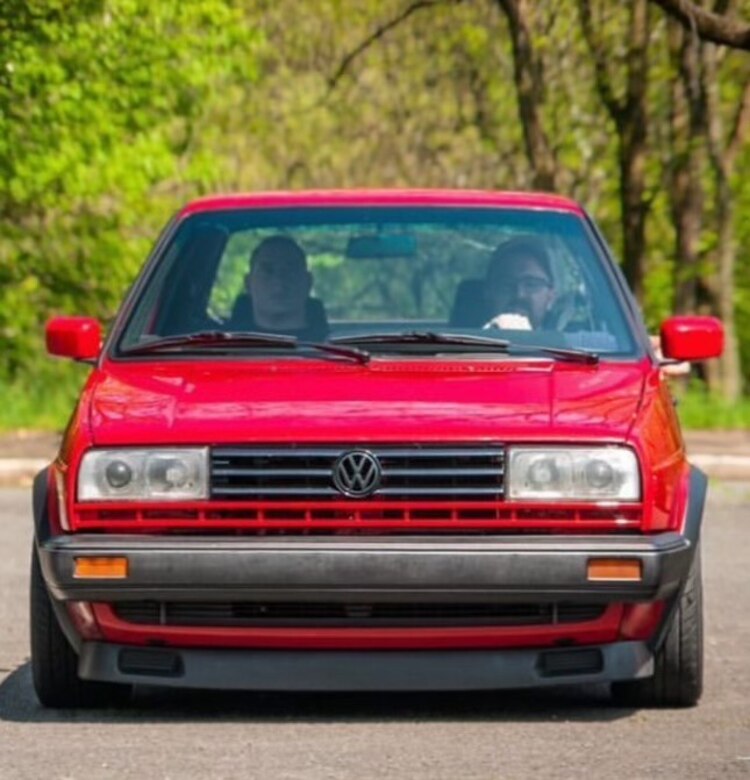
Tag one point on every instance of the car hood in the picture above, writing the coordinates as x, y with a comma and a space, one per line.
178, 402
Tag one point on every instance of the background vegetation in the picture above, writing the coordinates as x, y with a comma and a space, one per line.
115, 112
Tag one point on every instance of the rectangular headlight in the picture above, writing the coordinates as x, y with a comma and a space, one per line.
573, 473
154, 474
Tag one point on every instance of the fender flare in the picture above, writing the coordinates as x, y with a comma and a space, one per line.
697, 491
40, 506
42, 532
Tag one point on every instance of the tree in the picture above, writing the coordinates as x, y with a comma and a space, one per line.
529, 80
686, 162
629, 113
724, 146
709, 26
114, 112
98, 108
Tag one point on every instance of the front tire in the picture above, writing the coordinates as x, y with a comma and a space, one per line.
678, 664
54, 663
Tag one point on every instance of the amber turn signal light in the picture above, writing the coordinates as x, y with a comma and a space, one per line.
101, 568
615, 569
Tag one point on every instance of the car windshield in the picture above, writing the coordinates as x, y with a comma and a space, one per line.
367, 276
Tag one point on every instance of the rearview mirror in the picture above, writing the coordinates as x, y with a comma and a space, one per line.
692, 338
79, 338
381, 246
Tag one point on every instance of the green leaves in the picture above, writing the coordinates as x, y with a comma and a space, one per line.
113, 113
99, 102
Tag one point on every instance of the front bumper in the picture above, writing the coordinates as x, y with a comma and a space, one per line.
284, 670
419, 569
513, 568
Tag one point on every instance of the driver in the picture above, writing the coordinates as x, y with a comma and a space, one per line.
278, 288
519, 286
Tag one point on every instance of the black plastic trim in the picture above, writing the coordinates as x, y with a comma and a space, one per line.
512, 568
696, 504
39, 494
42, 532
365, 670
697, 492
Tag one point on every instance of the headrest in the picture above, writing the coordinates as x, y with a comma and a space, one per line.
470, 309
243, 318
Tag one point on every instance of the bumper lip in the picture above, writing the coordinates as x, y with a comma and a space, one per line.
511, 568
309, 671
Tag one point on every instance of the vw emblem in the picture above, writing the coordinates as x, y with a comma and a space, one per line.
357, 474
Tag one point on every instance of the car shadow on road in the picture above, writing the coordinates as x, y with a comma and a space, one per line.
19, 704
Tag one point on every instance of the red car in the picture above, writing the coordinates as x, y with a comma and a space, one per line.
372, 440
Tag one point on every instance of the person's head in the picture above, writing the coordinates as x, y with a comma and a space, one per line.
278, 283
519, 280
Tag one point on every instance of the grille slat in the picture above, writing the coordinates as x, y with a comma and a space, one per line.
263, 490
429, 472
302, 614
220, 471
386, 452
299, 473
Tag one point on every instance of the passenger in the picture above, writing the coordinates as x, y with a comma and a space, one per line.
278, 293
519, 286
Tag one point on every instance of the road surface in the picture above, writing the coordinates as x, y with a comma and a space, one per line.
559, 734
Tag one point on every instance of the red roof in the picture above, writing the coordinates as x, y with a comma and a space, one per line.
394, 197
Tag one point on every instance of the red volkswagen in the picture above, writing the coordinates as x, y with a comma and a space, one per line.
372, 440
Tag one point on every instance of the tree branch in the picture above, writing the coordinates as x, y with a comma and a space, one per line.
740, 127
637, 78
527, 69
709, 26
599, 55
380, 32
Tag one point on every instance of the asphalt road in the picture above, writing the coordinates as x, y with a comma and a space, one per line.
559, 734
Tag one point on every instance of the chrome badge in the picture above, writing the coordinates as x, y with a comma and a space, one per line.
357, 474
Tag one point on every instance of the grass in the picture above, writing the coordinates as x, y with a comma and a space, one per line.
45, 402
699, 410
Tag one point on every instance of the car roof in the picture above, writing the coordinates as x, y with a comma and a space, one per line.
383, 197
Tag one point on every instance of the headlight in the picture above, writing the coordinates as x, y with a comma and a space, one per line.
144, 474
574, 473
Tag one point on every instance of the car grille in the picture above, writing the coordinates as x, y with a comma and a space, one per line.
333, 614
408, 473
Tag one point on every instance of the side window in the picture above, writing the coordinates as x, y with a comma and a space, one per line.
148, 314
229, 283
573, 305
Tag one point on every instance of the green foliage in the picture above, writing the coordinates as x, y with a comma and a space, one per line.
98, 106
46, 401
115, 112
742, 276
700, 410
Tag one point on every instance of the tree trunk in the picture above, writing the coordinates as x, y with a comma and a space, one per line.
709, 26
634, 209
530, 91
731, 373
688, 136
629, 115
723, 149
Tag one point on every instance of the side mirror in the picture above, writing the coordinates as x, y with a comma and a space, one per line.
79, 338
692, 338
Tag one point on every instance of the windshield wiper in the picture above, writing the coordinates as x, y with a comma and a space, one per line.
210, 338
457, 339
577, 355
424, 337
219, 339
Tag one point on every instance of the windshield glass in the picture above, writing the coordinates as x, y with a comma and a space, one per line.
323, 274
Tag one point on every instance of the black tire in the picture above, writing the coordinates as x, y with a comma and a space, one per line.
54, 663
678, 672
